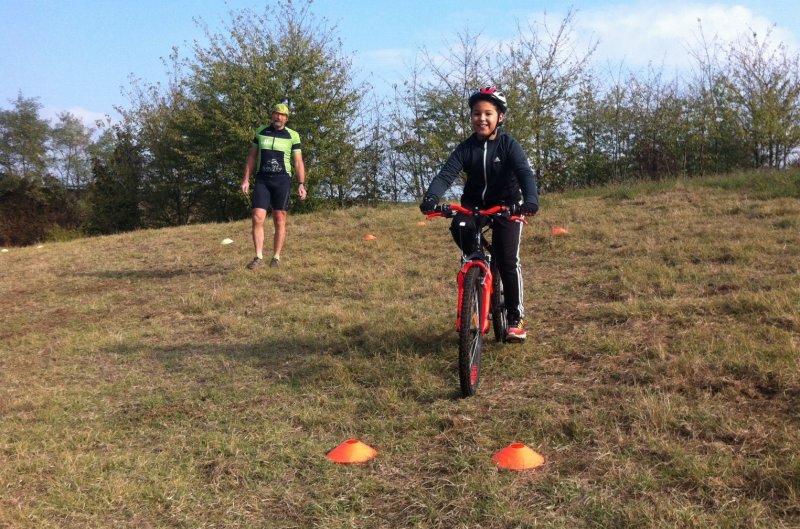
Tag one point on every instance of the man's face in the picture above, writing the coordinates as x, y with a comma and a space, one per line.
279, 120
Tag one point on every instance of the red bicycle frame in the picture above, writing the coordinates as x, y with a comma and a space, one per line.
486, 293
488, 284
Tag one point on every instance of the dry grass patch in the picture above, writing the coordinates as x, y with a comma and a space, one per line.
149, 380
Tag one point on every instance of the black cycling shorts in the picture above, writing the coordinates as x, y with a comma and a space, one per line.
272, 192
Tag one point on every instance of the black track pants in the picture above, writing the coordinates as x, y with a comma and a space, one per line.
506, 236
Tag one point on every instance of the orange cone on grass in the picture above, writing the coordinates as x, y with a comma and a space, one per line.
369, 237
517, 456
352, 451
558, 230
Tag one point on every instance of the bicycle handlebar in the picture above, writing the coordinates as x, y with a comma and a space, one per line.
448, 211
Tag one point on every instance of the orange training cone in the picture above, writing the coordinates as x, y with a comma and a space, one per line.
517, 456
558, 230
352, 451
421, 223
369, 237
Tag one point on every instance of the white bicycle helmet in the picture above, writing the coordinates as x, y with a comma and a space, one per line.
492, 94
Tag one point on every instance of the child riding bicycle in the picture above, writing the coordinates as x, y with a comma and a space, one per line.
498, 173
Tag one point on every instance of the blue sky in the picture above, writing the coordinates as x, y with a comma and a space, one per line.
78, 55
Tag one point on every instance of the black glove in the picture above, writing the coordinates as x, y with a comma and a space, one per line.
529, 208
429, 202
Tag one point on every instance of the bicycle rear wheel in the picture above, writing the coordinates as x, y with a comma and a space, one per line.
469, 337
499, 313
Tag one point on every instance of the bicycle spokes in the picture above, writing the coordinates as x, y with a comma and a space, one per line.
470, 334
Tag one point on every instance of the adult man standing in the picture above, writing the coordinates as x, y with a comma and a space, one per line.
275, 149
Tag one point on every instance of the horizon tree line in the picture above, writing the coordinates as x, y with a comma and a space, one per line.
176, 156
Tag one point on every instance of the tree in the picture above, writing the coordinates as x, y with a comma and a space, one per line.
657, 119
23, 139
237, 78
764, 85
429, 115
21, 205
454, 75
32, 201
408, 164
542, 76
113, 198
169, 183
371, 182
196, 131
70, 142
592, 146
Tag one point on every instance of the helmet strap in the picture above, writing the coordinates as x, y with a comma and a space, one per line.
499, 124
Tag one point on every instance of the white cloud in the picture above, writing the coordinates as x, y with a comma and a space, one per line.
663, 34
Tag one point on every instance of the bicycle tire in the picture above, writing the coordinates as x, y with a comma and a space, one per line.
470, 336
499, 313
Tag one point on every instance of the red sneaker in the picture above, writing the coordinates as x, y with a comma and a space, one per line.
516, 332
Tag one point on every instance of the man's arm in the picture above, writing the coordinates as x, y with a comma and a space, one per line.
300, 170
249, 167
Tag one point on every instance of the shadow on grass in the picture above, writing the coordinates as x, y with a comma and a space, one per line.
365, 357
151, 273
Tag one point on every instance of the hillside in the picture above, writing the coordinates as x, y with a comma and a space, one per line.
149, 380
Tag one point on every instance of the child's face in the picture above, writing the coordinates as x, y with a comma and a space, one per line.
484, 118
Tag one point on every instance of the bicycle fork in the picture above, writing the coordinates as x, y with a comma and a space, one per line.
486, 292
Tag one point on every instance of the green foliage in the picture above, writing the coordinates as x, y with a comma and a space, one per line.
763, 87
57, 233
197, 131
44, 172
23, 140
21, 202
542, 76
71, 144
580, 126
113, 199
29, 209
429, 115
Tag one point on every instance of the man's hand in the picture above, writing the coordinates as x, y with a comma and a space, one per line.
301, 190
429, 202
245, 186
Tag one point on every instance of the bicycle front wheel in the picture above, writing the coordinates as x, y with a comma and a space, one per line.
469, 337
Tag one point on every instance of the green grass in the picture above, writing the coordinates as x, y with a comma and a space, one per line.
149, 380
763, 185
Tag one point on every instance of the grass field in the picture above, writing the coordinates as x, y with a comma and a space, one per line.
147, 380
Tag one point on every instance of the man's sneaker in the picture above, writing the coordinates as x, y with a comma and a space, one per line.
255, 263
516, 332
275, 261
